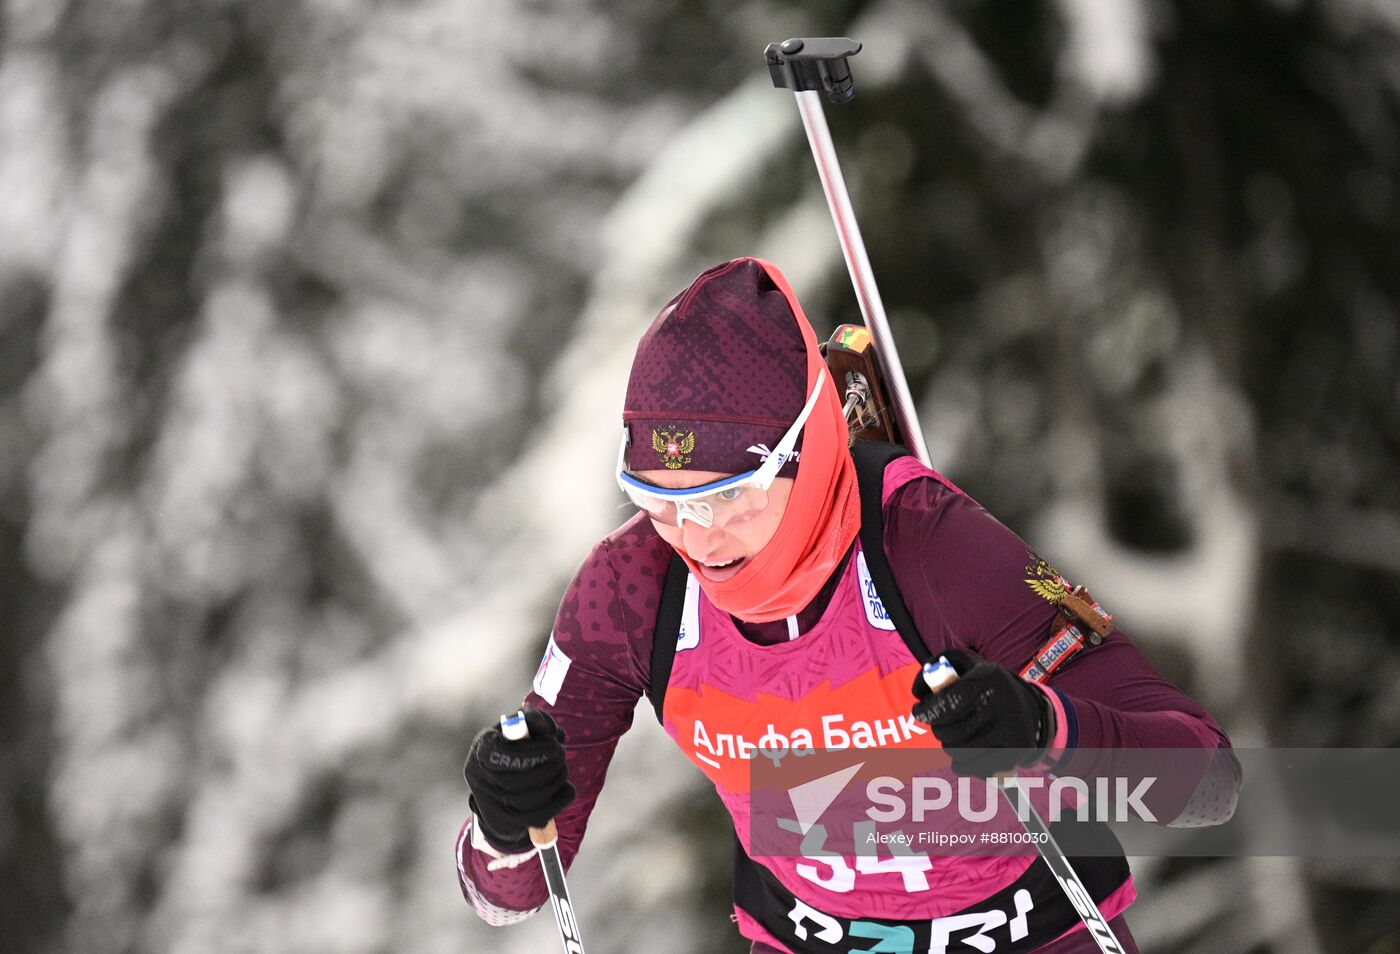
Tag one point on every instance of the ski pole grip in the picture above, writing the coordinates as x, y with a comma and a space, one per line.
814, 63
514, 728
939, 674
544, 837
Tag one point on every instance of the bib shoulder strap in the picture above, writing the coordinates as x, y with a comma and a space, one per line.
668, 630
871, 459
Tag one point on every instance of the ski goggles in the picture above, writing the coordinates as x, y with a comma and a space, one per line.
720, 503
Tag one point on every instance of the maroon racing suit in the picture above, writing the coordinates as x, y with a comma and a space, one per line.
968, 583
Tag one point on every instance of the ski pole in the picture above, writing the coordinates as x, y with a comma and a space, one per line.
819, 63
806, 65
939, 675
546, 842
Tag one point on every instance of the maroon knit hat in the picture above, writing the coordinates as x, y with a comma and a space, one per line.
719, 376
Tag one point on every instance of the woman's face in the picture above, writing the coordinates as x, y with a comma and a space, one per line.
720, 552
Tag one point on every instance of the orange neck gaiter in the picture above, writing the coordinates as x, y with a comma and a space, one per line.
822, 516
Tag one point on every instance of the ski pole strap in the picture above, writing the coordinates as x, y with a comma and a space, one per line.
1080, 622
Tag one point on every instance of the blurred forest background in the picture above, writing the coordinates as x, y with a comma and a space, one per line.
314, 322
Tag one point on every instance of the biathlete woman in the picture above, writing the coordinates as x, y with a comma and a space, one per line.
735, 451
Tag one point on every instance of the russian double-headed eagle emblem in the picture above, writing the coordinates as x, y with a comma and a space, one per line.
673, 446
1046, 581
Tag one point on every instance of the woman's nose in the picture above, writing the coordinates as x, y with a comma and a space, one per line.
698, 541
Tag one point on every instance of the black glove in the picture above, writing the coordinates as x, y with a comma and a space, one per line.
989, 721
517, 785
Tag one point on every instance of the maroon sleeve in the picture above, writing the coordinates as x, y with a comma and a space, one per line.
604, 631
972, 584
